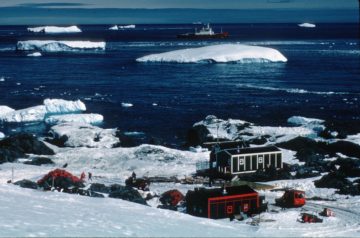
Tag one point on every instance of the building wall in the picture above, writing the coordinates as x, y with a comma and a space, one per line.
252, 162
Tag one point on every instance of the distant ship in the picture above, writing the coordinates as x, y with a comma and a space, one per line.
206, 32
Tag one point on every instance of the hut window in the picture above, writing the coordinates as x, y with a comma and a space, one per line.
241, 161
261, 159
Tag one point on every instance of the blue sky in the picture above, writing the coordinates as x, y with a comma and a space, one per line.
113, 11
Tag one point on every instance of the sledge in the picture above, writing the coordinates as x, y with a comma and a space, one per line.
309, 218
327, 212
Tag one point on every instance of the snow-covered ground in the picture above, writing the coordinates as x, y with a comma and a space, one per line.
218, 53
55, 29
59, 46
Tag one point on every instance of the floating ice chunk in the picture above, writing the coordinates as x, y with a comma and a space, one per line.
4, 110
154, 104
218, 53
307, 25
91, 118
85, 135
127, 27
298, 120
126, 104
114, 28
58, 46
35, 54
57, 106
31, 114
54, 29
2, 79
134, 133
2, 135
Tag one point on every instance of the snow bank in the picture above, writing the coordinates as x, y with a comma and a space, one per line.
38, 113
307, 25
58, 46
91, 118
54, 29
63, 106
35, 54
218, 53
85, 135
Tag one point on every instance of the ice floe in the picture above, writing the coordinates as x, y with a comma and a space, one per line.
114, 28
119, 27
218, 53
126, 104
2, 79
54, 29
58, 46
35, 54
298, 120
78, 134
38, 113
91, 118
2, 135
307, 25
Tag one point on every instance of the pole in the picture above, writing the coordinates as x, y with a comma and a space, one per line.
12, 174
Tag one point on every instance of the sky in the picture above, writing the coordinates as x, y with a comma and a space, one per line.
28, 12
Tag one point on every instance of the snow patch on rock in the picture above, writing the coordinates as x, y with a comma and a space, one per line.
85, 135
222, 53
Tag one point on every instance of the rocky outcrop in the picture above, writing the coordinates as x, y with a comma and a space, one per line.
126, 193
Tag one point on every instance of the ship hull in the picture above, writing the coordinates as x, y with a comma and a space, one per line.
195, 37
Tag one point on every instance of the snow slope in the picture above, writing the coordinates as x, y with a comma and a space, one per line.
222, 53
58, 46
54, 29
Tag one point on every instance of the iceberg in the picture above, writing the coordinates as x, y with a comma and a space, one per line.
307, 25
2, 135
31, 114
222, 53
127, 27
54, 29
4, 110
79, 134
58, 46
58, 106
126, 104
35, 54
91, 118
114, 28
301, 121
38, 113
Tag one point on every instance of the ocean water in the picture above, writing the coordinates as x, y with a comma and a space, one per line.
321, 78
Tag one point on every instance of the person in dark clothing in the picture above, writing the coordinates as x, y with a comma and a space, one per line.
65, 165
89, 176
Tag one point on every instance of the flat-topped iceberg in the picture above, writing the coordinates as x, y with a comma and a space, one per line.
117, 27
58, 46
54, 29
38, 113
218, 53
35, 54
308, 25
91, 118
57, 106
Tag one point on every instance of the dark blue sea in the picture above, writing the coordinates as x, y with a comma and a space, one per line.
320, 80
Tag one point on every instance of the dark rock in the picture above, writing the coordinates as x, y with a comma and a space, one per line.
306, 172
83, 192
27, 144
258, 141
99, 187
58, 141
126, 193
268, 174
27, 184
197, 135
333, 180
9, 155
345, 147
348, 167
39, 161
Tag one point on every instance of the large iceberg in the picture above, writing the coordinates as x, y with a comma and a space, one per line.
57, 106
55, 29
218, 53
58, 46
38, 113
91, 118
307, 25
